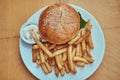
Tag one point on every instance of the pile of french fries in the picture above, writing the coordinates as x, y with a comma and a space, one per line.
63, 58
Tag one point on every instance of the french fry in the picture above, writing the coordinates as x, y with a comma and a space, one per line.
83, 44
61, 59
58, 62
56, 70
48, 67
88, 51
42, 58
70, 63
89, 59
66, 68
78, 50
69, 54
34, 55
73, 52
89, 38
46, 56
60, 56
80, 64
61, 46
35, 46
82, 37
81, 52
80, 59
62, 72
51, 46
38, 62
40, 44
38, 55
90, 42
64, 57
53, 61
74, 71
88, 22
59, 52
88, 25
74, 40
44, 68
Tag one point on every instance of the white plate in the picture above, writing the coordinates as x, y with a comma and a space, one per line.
82, 73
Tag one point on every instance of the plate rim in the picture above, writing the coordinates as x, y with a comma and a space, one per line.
103, 38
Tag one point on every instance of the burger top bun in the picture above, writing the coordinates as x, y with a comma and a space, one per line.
59, 23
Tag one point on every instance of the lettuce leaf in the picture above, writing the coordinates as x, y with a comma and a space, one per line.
82, 21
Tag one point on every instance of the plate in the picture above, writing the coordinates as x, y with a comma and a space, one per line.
82, 73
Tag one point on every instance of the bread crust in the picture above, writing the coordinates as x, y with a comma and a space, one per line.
59, 23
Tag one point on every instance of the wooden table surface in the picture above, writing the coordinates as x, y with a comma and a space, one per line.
13, 13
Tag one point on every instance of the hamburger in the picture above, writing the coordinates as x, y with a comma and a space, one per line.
59, 23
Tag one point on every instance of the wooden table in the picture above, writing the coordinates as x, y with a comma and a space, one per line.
13, 13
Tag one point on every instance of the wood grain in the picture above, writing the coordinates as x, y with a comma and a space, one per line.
13, 13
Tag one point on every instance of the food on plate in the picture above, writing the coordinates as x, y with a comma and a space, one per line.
83, 43
56, 70
66, 68
66, 50
40, 44
60, 21
60, 51
44, 68
35, 47
59, 65
80, 64
70, 61
80, 59
89, 41
64, 56
83, 36
74, 39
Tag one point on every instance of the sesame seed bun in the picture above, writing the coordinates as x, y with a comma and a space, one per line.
59, 23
